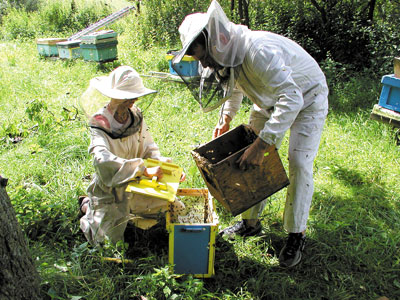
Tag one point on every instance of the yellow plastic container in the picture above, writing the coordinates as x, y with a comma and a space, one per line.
185, 57
165, 189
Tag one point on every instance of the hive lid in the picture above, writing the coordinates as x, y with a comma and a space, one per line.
69, 43
98, 35
50, 41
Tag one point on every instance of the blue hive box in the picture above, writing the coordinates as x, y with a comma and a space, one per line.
188, 66
390, 94
48, 46
191, 240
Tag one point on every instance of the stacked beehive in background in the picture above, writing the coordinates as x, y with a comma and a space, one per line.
100, 46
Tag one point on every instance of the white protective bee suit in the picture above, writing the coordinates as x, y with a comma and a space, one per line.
288, 91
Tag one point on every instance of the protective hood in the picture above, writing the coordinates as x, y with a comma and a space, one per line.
226, 40
225, 44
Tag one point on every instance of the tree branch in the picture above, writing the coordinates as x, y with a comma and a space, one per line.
321, 10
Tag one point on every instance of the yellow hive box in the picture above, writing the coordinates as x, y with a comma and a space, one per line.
192, 234
165, 189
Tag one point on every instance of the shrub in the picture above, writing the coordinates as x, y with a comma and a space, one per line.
19, 24
159, 20
69, 16
27, 5
341, 30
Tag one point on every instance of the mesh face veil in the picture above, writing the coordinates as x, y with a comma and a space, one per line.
212, 86
224, 44
109, 102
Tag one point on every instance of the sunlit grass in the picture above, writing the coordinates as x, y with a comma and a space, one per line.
353, 234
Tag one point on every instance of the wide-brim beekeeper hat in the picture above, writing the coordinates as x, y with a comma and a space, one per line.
189, 30
122, 83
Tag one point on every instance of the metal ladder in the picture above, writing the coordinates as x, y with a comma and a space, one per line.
107, 20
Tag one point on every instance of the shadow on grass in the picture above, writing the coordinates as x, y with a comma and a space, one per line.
350, 252
142, 243
356, 236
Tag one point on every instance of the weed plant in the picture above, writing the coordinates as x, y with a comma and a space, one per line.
353, 231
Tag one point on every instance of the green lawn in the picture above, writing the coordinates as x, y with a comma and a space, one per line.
354, 227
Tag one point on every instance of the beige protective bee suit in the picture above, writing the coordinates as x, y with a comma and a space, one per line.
117, 161
288, 91
118, 151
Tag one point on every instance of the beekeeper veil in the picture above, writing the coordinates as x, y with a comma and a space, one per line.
105, 94
225, 43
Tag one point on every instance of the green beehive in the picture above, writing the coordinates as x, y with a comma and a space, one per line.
99, 37
99, 52
99, 46
69, 49
48, 46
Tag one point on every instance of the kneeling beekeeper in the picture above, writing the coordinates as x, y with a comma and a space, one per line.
288, 91
120, 140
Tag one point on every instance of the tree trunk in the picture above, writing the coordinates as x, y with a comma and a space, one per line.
246, 12
18, 276
371, 8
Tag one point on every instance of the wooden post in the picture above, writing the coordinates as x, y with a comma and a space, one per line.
18, 276
397, 67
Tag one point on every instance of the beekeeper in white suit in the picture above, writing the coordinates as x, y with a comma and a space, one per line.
120, 141
288, 91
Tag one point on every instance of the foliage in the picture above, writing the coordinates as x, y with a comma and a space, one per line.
338, 29
27, 5
68, 16
353, 234
53, 18
159, 26
342, 31
19, 24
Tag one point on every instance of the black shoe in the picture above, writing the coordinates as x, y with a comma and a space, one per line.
82, 200
291, 254
241, 228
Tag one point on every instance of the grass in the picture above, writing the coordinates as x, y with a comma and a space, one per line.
354, 226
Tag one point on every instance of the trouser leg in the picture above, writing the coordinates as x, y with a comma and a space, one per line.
257, 121
105, 221
305, 135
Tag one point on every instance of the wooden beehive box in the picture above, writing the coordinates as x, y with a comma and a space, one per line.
69, 49
100, 46
192, 234
101, 52
238, 190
